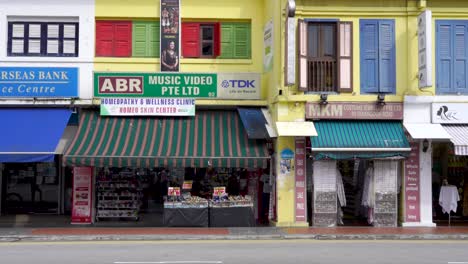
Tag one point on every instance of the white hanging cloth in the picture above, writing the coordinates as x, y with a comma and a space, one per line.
448, 198
368, 192
340, 189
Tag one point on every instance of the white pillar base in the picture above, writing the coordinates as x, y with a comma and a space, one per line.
418, 224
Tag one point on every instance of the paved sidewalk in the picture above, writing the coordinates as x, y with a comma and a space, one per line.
341, 233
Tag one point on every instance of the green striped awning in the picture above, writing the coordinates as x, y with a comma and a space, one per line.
359, 138
215, 138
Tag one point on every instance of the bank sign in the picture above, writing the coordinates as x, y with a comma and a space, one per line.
177, 85
38, 82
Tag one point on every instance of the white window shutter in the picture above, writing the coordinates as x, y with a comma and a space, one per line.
34, 30
345, 62
69, 47
52, 31
69, 31
52, 46
302, 37
34, 46
18, 31
17, 46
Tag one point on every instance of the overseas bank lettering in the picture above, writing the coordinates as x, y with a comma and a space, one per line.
180, 85
38, 82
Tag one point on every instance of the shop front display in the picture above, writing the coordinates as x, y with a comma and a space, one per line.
186, 211
232, 211
137, 160
356, 163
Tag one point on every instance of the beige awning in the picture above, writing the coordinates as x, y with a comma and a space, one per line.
296, 129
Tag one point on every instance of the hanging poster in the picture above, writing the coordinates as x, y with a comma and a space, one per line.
82, 195
285, 164
170, 35
268, 46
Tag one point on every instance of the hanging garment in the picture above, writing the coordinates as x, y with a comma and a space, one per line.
340, 189
368, 192
448, 198
465, 199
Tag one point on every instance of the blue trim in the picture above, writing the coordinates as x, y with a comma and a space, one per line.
31, 135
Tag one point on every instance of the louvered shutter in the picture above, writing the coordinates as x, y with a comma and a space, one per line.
369, 56
140, 39
190, 40
17, 45
227, 41
34, 43
444, 57
123, 39
387, 76
242, 41
302, 43
153, 39
460, 57
217, 39
104, 38
345, 62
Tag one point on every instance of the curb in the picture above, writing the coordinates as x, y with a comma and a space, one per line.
71, 238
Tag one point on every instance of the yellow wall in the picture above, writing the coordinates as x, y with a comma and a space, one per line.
191, 10
403, 12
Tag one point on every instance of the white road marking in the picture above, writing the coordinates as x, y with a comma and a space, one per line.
172, 262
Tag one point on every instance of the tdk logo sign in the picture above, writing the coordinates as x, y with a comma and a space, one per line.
238, 84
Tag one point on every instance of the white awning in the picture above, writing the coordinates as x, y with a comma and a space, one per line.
66, 139
459, 139
426, 131
296, 129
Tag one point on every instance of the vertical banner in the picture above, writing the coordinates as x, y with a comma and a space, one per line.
412, 183
300, 169
170, 35
82, 195
268, 47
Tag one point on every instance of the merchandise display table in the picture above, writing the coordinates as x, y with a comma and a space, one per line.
232, 216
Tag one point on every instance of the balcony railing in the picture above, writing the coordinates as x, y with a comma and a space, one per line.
322, 73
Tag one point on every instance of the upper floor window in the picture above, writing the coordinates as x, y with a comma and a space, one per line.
325, 56
451, 57
49, 39
378, 69
200, 40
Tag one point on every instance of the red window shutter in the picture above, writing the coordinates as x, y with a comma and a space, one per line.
104, 38
217, 39
123, 39
191, 40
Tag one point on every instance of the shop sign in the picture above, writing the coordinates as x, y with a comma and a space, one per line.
170, 35
450, 113
148, 107
268, 47
285, 163
412, 180
38, 82
82, 195
239, 86
155, 84
347, 110
173, 191
300, 159
191, 85
219, 191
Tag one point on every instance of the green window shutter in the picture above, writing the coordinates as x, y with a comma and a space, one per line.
153, 35
227, 41
146, 39
242, 41
139, 39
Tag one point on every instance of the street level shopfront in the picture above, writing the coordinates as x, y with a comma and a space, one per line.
172, 171
440, 127
355, 163
32, 139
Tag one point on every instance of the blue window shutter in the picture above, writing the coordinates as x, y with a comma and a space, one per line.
444, 57
369, 56
460, 57
387, 76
